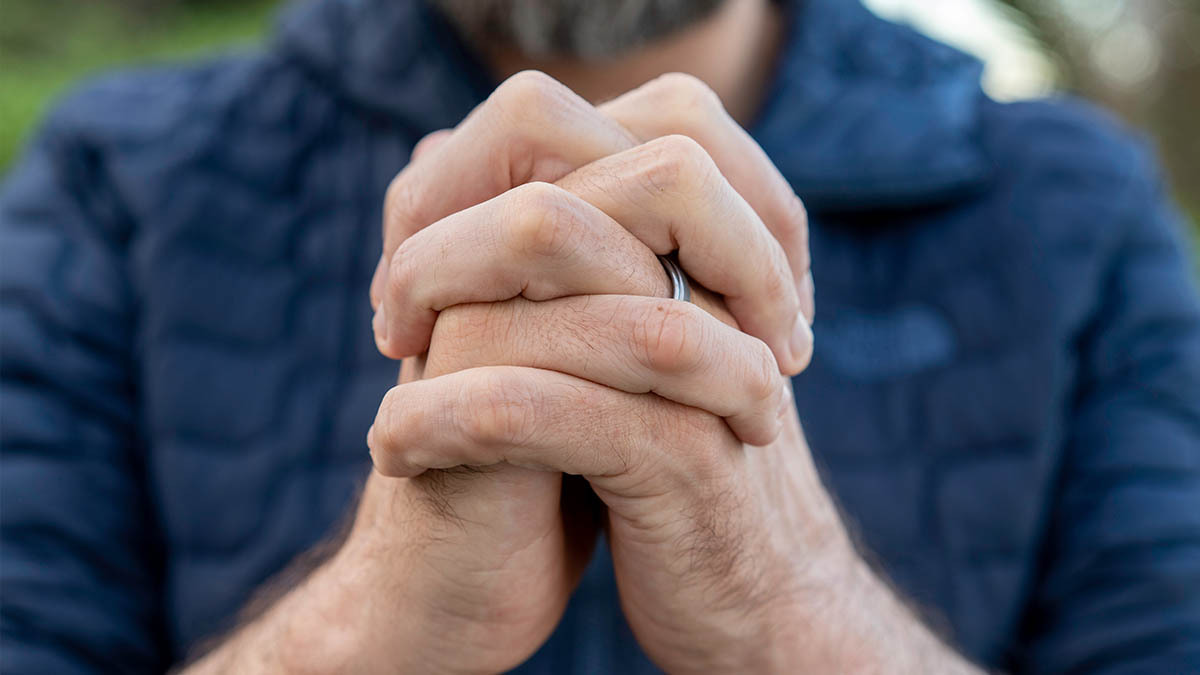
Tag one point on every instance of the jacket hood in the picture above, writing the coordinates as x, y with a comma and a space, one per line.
861, 114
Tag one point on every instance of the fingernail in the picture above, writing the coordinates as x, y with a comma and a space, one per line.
379, 324
377, 284
811, 288
801, 343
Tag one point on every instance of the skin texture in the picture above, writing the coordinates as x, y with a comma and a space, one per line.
533, 129
541, 373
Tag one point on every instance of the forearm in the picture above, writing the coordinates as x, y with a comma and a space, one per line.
312, 627
865, 627
374, 603
335, 609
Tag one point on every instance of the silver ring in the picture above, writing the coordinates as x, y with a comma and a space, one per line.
680, 288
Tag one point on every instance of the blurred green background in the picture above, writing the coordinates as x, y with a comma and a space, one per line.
1140, 58
46, 45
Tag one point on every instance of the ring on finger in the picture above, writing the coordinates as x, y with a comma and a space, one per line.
681, 288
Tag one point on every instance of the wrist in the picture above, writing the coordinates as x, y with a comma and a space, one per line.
324, 625
362, 612
370, 598
304, 631
404, 597
810, 627
851, 621
350, 614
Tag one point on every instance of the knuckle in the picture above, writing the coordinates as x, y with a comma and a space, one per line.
390, 421
777, 288
682, 147
459, 335
687, 93
451, 326
401, 271
529, 91
522, 108
689, 101
544, 222
763, 382
401, 205
497, 412
670, 338
678, 163
427, 141
463, 322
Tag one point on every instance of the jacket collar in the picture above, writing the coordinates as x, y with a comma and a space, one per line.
862, 114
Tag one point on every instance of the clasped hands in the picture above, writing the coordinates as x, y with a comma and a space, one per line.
550, 390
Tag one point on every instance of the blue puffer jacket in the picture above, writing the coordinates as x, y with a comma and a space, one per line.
1005, 396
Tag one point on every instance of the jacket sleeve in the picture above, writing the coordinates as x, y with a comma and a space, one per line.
1119, 587
79, 562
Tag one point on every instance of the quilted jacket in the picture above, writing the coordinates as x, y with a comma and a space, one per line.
1005, 396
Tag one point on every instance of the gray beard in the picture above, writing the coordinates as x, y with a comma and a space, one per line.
584, 29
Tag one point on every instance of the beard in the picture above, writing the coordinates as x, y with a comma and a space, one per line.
589, 30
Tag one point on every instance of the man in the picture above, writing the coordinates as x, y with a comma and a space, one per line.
1004, 399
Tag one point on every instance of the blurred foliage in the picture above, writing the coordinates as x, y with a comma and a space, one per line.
1139, 58
46, 45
